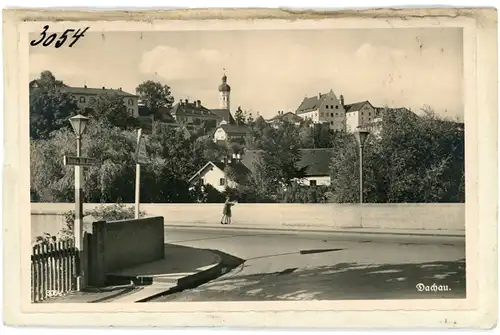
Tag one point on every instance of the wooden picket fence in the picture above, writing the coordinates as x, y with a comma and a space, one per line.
53, 270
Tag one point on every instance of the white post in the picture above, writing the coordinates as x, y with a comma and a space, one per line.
78, 225
137, 175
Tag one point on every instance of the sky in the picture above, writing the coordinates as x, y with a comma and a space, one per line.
272, 70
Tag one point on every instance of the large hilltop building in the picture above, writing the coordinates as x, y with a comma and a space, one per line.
324, 108
330, 110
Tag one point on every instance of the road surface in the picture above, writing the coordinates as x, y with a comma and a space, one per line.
326, 266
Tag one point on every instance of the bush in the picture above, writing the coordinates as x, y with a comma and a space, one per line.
103, 212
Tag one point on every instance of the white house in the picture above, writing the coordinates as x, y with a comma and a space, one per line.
359, 113
314, 162
212, 174
324, 108
230, 132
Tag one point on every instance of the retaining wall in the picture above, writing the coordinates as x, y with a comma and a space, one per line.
118, 245
312, 216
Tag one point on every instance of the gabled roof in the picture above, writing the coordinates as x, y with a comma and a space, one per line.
96, 91
232, 129
224, 114
310, 104
288, 115
240, 169
208, 166
313, 103
316, 162
192, 109
356, 106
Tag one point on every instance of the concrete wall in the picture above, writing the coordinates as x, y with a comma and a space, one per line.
320, 216
118, 245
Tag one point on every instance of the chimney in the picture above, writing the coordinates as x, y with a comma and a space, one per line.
186, 101
120, 89
103, 88
342, 100
198, 103
319, 95
84, 86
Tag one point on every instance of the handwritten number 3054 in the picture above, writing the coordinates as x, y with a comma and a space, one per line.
47, 40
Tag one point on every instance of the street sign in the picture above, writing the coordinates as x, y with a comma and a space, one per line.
81, 161
142, 155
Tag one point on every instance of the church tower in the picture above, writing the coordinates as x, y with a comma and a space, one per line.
224, 94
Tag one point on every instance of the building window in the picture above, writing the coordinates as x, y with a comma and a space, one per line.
327, 106
92, 100
369, 114
321, 114
331, 122
130, 102
337, 114
82, 99
331, 114
130, 110
312, 182
337, 107
221, 182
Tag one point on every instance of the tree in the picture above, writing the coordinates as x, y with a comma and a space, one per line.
50, 107
239, 116
111, 106
155, 95
110, 181
415, 159
280, 156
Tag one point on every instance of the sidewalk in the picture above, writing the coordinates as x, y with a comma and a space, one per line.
322, 228
181, 268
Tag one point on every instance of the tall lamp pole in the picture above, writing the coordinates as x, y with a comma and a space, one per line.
78, 122
361, 136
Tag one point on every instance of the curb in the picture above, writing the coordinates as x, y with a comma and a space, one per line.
193, 280
225, 264
295, 230
190, 281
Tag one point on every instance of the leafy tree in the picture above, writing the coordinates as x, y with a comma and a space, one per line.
239, 116
109, 181
50, 107
111, 106
280, 156
415, 159
155, 95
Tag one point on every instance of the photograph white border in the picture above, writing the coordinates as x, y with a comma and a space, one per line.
480, 101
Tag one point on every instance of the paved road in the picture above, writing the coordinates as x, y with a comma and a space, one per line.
325, 266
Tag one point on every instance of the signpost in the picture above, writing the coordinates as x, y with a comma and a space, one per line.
141, 158
79, 161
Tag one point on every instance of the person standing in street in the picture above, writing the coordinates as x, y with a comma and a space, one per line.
226, 212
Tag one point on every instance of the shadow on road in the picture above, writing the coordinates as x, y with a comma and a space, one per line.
339, 282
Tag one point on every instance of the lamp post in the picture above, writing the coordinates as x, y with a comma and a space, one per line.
361, 136
227, 161
78, 122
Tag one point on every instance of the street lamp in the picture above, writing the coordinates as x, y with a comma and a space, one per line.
361, 136
78, 122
